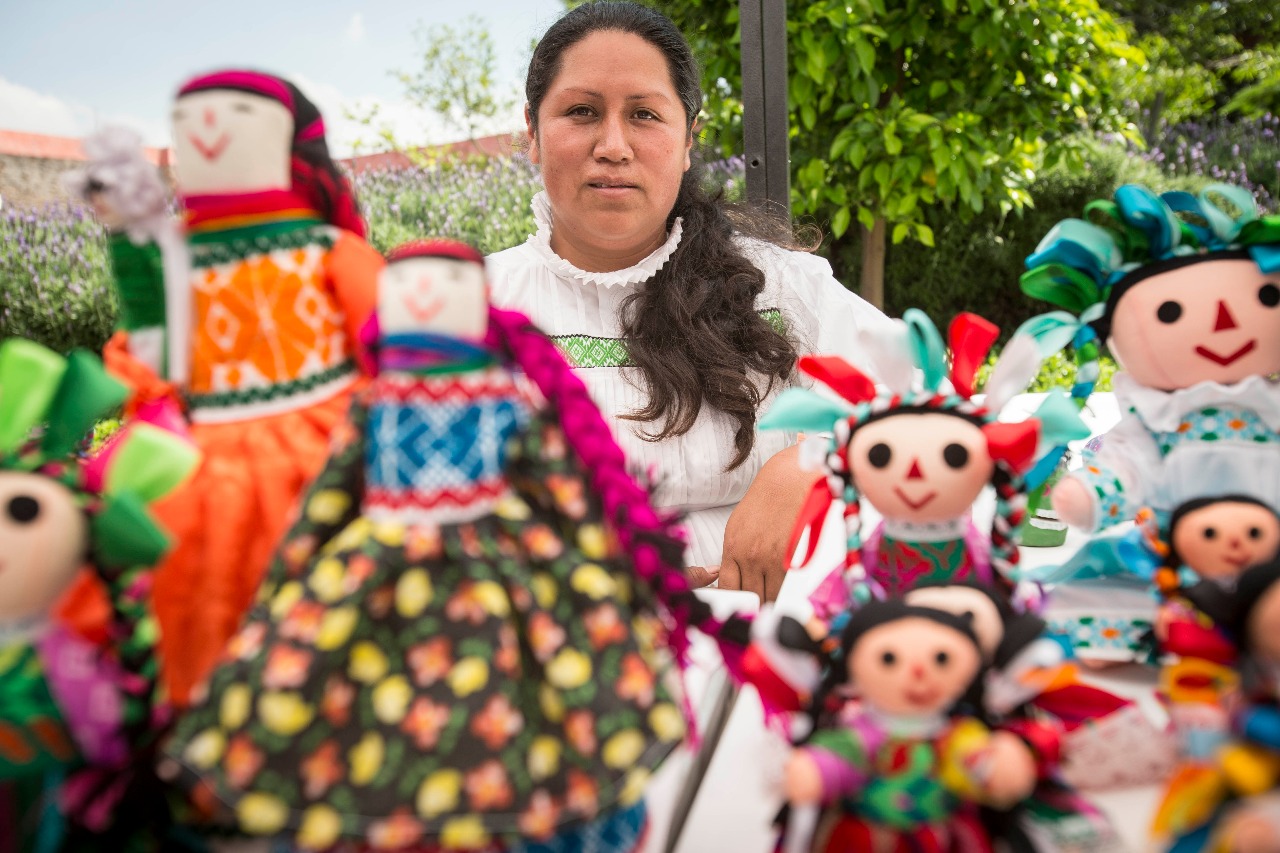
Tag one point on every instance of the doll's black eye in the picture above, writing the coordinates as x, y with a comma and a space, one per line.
1255, 532
942, 658
956, 455
23, 509
879, 455
1269, 295
1210, 533
889, 658
1169, 312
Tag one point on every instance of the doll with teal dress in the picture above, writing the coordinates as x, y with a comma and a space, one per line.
456, 645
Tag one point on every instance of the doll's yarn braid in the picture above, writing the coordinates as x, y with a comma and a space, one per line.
649, 539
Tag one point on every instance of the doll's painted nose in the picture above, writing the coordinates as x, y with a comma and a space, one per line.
210, 117
917, 671
914, 473
1225, 320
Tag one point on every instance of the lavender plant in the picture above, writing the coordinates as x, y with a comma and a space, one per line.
54, 282
1244, 152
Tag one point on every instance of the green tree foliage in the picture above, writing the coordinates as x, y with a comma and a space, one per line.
898, 107
458, 79
1203, 55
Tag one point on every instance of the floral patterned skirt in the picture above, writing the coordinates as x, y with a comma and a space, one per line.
460, 685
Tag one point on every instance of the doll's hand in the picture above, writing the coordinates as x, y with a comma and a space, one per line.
802, 782
1072, 504
1246, 831
1012, 771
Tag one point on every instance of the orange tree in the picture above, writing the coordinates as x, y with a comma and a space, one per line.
899, 106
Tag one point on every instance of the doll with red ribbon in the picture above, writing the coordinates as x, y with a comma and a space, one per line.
260, 344
920, 452
77, 718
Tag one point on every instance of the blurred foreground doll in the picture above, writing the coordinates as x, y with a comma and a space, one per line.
455, 648
262, 354
76, 718
897, 767
1185, 291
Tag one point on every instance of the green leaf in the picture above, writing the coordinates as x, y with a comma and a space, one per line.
900, 232
808, 116
866, 218
866, 56
937, 88
924, 234
840, 221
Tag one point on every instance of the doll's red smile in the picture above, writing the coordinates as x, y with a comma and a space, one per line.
921, 696
210, 152
1224, 360
916, 504
423, 310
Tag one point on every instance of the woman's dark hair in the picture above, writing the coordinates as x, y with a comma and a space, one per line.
692, 330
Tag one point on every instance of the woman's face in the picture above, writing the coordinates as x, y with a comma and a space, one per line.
613, 144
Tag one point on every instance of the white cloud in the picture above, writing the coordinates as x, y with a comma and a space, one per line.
27, 110
355, 28
409, 124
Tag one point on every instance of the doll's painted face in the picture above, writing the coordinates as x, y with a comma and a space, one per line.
1215, 320
43, 539
967, 602
913, 666
920, 467
443, 296
226, 141
1222, 539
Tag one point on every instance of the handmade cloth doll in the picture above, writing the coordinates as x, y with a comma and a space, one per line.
455, 647
1234, 806
920, 453
150, 262
68, 705
281, 282
899, 770
1185, 291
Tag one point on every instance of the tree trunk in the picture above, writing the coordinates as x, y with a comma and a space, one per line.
871, 283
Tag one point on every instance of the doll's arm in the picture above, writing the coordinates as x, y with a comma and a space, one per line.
1112, 484
831, 765
353, 267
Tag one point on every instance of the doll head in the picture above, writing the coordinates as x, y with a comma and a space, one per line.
242, 132
1218, 538
1257, 616
57, 514
1183, 289
920, 465
908, 660
436, 287
922, 448
122, 186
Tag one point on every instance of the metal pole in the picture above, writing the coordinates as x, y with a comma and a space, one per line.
764, 101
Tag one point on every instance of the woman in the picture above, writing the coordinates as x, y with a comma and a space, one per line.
682, 325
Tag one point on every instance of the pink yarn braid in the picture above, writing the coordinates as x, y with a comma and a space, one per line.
639, 528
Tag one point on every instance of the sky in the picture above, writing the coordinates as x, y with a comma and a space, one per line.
68, 67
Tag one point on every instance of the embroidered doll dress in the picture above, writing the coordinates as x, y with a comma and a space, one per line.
1173, 446
886, 775
278, 299
901, 555
445, 651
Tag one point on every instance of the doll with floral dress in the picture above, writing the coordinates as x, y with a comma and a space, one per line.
455, 648
260, 344
77, 722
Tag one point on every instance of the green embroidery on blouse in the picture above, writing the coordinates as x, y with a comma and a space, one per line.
592, 351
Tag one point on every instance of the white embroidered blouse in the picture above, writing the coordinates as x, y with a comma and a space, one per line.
580, 311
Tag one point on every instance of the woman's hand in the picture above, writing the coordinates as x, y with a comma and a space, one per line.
756, 537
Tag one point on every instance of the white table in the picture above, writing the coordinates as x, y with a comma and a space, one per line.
741, 793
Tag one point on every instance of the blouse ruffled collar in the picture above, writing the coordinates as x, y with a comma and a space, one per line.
1163, 410
643, 271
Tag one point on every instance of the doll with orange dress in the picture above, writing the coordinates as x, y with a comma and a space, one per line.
261, 350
